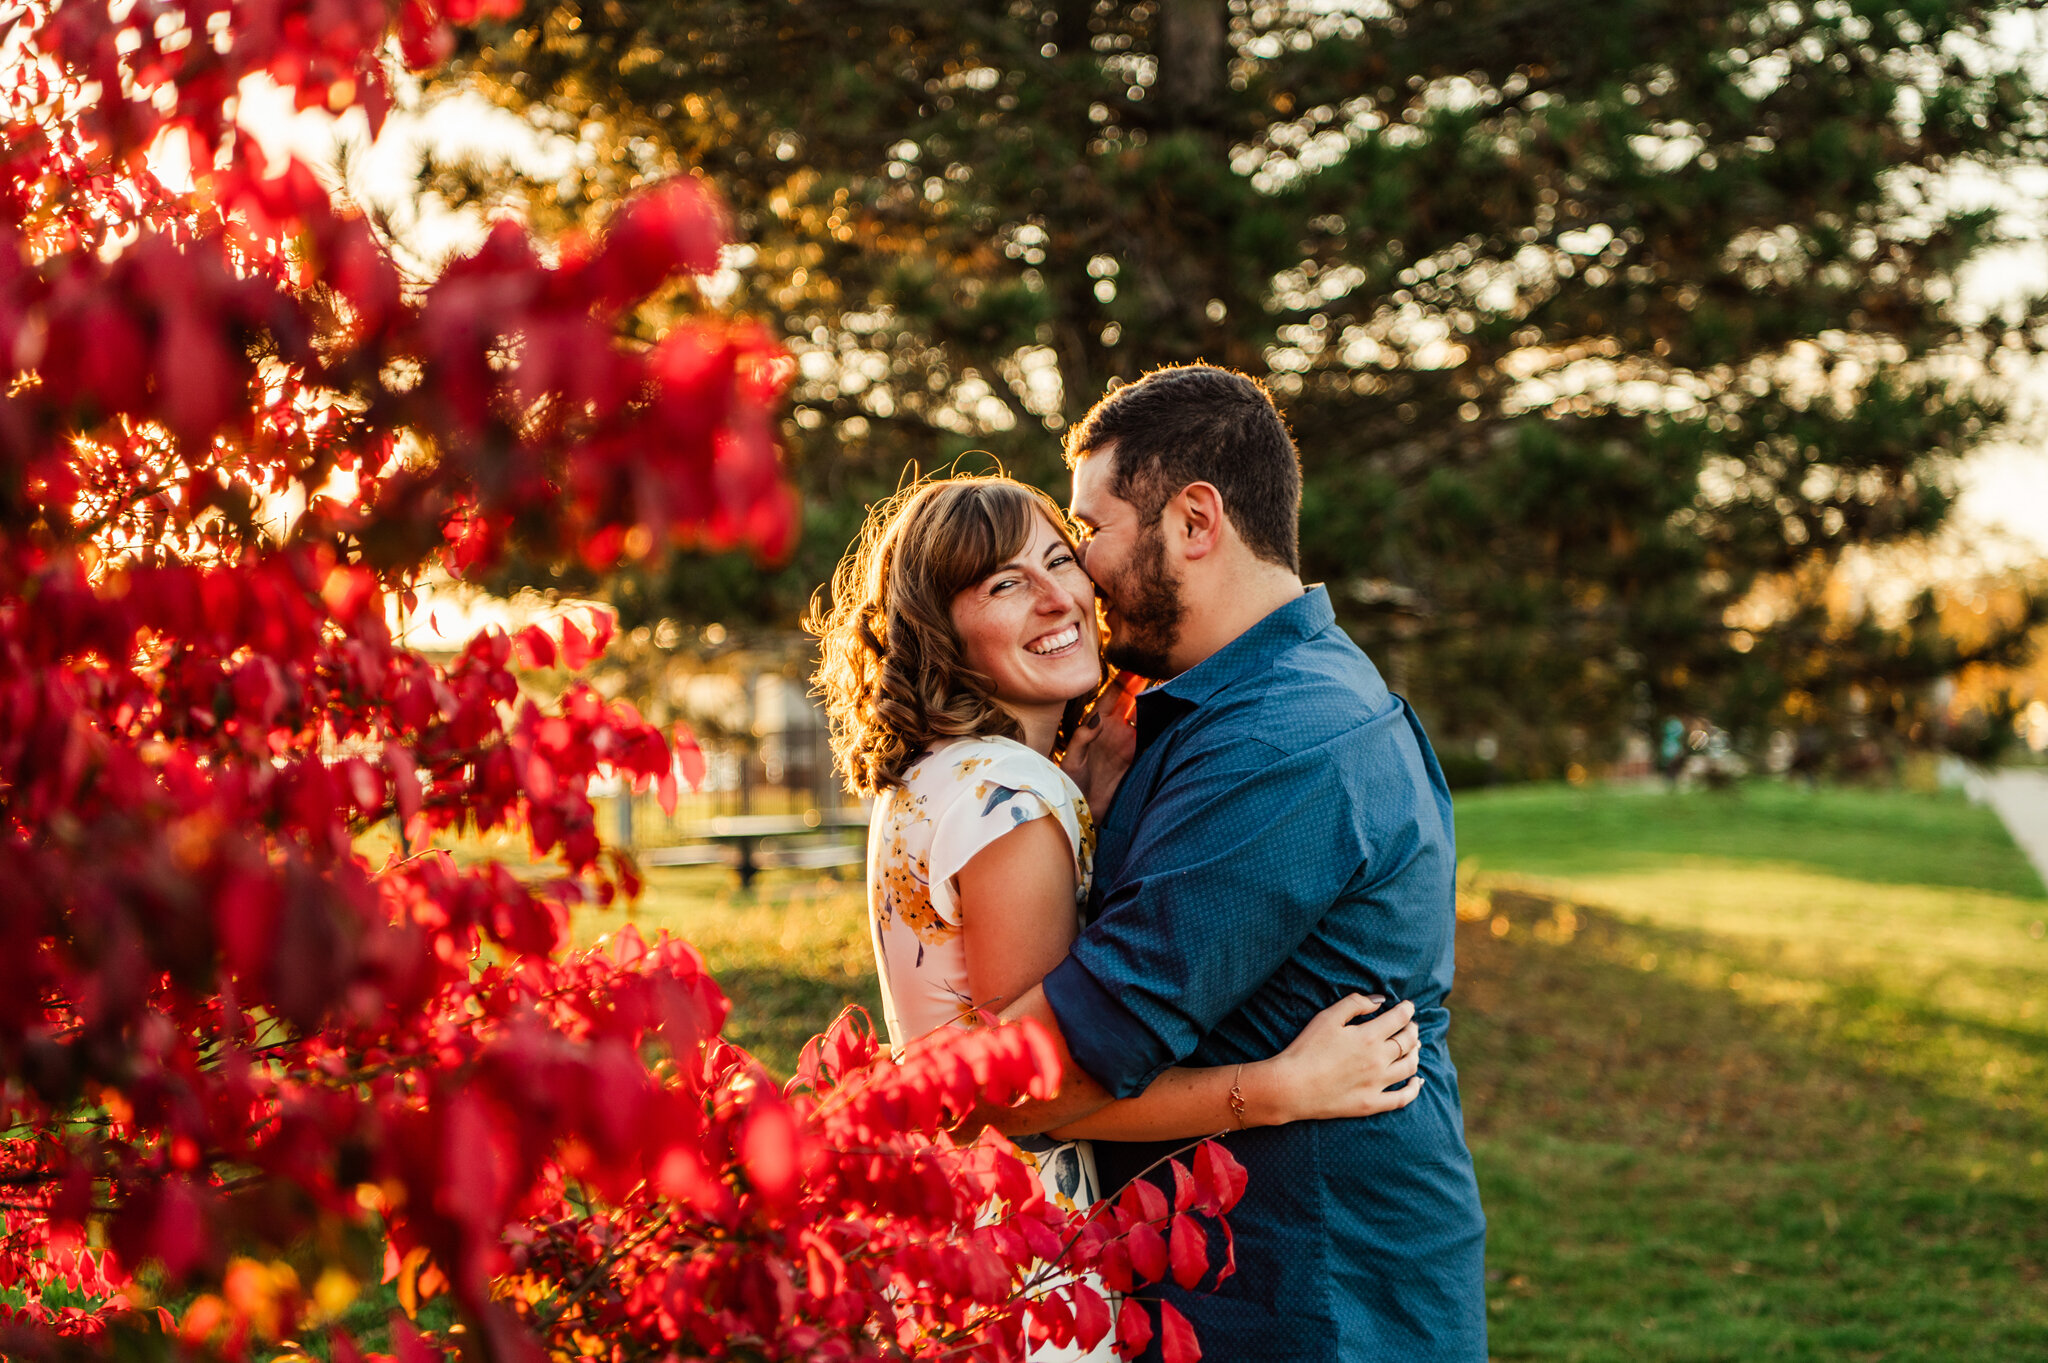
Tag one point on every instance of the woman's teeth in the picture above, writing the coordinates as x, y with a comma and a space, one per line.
1053, 643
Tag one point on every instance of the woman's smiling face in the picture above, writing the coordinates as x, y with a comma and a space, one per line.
1029, 626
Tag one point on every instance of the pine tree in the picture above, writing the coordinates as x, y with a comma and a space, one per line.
1589, 318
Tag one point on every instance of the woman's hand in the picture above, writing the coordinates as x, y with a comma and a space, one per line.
1335, 1069
1104, 743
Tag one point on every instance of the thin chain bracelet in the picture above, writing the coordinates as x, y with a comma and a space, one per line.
1237, 1096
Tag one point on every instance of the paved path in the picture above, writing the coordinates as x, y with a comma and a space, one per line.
2021, 799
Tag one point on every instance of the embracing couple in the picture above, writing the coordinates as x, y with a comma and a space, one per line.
1219, 878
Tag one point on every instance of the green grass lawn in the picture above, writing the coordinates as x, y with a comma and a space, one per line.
1754, 1074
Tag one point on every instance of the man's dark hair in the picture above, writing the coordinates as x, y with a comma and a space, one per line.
1195, 423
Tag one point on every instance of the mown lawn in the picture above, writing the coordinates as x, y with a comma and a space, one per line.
1756, 1074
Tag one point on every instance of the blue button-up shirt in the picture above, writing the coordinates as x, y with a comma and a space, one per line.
1282, 839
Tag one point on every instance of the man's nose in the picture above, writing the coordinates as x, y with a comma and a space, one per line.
1081, 558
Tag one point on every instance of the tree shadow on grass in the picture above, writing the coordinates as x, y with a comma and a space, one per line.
1674, 1168
1600, 1028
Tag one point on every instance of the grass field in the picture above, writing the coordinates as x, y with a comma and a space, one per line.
1758, 1074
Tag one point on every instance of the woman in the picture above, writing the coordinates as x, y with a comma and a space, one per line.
961, 630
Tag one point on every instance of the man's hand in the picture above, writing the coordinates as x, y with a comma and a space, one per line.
1078, 1094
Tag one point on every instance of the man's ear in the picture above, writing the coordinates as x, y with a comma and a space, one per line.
1195, 518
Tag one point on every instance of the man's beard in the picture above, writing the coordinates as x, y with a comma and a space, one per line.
1148, 609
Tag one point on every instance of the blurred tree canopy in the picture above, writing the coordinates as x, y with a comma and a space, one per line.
1589, 317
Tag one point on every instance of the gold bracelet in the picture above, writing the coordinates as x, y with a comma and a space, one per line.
1237, 1096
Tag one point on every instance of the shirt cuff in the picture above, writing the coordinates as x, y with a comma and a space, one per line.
1105, 1038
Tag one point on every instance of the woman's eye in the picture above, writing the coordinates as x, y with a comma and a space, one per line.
999, 586
1061, 561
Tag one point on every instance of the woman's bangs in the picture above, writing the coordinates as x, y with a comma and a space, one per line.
988, 525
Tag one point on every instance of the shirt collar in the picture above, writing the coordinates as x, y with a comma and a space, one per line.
1249, 654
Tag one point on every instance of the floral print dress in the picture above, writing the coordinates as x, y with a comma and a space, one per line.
955, 799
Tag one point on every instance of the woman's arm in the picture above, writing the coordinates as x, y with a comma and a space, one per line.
1334, 1068
1017, 918
1017, 915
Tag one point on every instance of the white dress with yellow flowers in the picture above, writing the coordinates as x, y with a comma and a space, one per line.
957, 798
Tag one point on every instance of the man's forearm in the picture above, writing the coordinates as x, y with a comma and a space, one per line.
1078, 1096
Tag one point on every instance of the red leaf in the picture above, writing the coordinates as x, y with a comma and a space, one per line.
1185, 1189
1176, 1337
347, 590
364, 789
178, 1239
768, 1148
405, 781
1091, 1316
576, 649
1219, 1170
245, 918
1143, 1201
1148, 1252
341, 1348
410, 1347
480, 1163
1114, 1264
424, 40
534, 647
1133, 1328
690, 757
674, 228
1190, 1251
1229, 1254
198, 381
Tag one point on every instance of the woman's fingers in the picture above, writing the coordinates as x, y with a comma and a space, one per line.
1408, 1061
1387, 1025
1345, 1010
1077, 749
1394, 1099
1350, 1061
1082, 754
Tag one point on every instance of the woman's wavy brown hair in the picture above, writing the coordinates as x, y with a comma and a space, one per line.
891, 672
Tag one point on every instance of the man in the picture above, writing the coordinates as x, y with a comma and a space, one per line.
1282, 839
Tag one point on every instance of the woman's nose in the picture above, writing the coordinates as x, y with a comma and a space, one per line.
1054, 598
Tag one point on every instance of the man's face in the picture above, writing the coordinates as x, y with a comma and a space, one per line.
1126, 556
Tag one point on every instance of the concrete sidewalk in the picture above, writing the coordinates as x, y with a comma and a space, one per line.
2021, 800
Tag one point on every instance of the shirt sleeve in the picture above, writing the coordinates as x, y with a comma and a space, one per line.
1233, 865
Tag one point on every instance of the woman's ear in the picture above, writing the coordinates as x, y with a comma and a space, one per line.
1195, 518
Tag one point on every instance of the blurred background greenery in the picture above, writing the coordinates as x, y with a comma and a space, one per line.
1635, 350
1640, 355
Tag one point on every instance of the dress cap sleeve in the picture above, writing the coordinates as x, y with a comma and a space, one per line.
991, 786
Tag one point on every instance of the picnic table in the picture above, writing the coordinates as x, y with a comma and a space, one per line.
744, 842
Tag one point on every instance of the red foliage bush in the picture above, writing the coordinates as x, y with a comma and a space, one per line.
243, 1069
